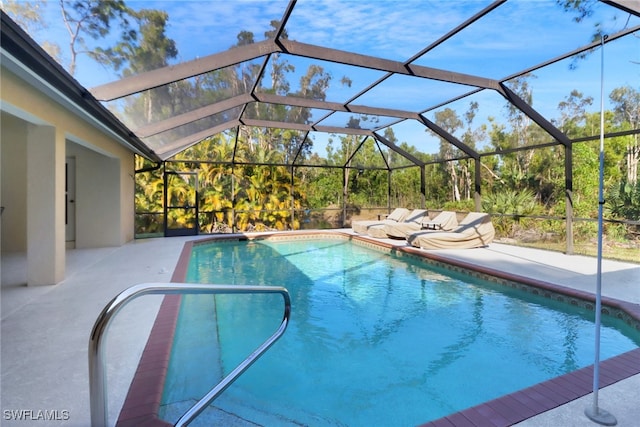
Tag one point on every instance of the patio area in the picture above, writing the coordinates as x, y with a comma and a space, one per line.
45, 330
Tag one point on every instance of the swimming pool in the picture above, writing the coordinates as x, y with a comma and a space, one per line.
374, 338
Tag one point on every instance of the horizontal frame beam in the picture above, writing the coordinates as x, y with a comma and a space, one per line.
380, 64
184, 143
173, 73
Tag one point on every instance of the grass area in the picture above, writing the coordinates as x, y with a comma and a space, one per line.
626, 253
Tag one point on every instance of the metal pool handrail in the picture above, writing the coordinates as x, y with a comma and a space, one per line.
97, 382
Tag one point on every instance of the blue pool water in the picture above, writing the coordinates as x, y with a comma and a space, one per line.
374, 339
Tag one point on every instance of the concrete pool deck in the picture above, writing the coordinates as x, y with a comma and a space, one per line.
45, 330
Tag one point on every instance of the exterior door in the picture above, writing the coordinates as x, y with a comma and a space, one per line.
70, 201
181, 204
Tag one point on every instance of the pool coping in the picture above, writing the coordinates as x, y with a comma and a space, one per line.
142, 404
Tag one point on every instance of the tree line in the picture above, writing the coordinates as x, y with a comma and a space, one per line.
247, 178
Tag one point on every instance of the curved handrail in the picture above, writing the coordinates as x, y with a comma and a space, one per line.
98, 396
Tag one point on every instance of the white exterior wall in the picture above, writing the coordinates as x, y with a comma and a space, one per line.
13, 176
37, 135
45, 207
97, 198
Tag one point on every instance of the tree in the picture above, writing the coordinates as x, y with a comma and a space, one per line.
448, 120
28, 14
510, 202
312, 85
149, 198
582, 8
469, 138
626, 101
524, 129
572, 113
215, 180
25, 13
93, 19
368, 186
153, 51
623, 201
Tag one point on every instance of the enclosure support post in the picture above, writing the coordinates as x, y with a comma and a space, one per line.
293, 201
389, 171
477, 180
164, 199
233, 200
423, 186
568, 191
344, 196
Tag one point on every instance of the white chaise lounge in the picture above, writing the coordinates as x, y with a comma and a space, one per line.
398, 214
444, 221
475, 230
415, 217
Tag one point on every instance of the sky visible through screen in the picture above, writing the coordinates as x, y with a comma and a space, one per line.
515, 36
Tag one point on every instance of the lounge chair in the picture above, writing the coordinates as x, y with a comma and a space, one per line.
415, 217
474, 231
398, 214
444, 221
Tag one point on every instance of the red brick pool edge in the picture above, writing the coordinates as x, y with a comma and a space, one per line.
515, 407
142, 404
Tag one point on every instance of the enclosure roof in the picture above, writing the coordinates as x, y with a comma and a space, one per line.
333, 68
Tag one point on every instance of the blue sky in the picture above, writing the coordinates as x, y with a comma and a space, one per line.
517, 35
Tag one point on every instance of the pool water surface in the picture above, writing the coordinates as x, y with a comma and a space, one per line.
374, 339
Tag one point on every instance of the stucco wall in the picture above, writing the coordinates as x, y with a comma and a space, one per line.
14, 186
106, 215
97, 198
